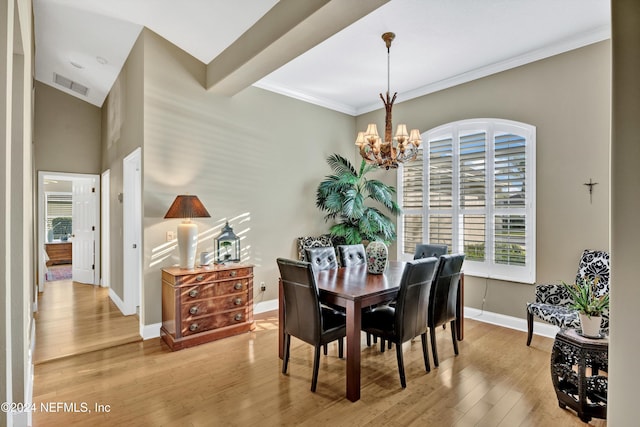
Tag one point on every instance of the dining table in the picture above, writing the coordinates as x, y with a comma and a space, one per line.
354, 288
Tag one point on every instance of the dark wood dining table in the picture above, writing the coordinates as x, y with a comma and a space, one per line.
354, 288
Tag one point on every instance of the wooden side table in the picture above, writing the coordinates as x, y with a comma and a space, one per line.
579, 367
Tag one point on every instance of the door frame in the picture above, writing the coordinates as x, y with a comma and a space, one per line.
105, 227
65, 176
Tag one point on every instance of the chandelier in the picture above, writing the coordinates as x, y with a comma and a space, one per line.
384, 153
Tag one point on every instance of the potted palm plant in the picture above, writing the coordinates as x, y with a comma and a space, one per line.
589, 304
342, 196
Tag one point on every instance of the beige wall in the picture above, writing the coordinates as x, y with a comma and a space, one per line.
567, 98
67, 132
254, 159
16, 207
625, 205
122, 132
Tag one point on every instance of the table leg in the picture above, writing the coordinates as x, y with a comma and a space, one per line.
280, 320
353, 349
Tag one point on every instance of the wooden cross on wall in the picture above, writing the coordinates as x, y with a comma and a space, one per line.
590, 184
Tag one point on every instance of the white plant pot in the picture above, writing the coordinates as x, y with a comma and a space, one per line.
590, 325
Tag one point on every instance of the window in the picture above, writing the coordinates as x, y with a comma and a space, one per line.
473, 188
58, 214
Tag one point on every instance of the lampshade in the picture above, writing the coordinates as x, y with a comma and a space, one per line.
186, 206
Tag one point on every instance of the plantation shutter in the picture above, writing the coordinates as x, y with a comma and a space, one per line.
440, 224
412, 204
472, 182
509, 195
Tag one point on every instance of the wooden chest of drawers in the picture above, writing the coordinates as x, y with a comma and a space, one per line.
206, 304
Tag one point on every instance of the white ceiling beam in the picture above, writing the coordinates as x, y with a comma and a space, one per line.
289, 29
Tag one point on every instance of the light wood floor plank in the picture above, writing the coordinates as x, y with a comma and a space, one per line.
75, 318
495, 381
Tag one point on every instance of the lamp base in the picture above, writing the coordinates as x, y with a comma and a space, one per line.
187, 244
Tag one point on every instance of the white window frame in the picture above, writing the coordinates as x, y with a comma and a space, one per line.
487, 268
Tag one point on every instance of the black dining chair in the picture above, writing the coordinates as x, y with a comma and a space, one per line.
351, 255
444, 298
426, 250
408, 318
322, 258
304, 317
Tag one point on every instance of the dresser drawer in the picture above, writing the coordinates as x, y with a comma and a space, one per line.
201, 324
211, 290
212, 305
231, 274
189, 279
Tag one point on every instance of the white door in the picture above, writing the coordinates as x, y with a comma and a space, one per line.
84, 229
132, 235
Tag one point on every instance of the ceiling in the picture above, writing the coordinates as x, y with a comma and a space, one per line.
341, 65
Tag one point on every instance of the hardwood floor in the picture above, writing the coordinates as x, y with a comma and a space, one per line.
74, 318
495, 381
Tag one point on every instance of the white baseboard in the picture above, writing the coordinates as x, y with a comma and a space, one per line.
150, 331
265, 306
539, 328
116, 300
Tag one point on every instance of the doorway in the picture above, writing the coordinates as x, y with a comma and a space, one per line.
72, 234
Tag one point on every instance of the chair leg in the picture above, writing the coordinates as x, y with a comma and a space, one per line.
381, 345
403, 381
324, 347
375, 339
316, 366
453, 337
529, 327
389, 345
425, 352
285, 358
341, 348
368, 339
434, 349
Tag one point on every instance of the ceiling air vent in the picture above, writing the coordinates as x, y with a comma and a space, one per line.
70, 84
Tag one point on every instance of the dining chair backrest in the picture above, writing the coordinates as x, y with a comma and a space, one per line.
351, 255
444, 290
426, 250
301, 303
413, 298
322, 258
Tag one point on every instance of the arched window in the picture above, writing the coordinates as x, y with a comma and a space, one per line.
473, 189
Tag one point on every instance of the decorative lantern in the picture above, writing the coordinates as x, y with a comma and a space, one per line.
227, 246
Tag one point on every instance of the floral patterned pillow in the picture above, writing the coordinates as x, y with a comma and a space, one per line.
312, 242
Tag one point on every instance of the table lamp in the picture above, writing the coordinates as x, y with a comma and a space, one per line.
187, 207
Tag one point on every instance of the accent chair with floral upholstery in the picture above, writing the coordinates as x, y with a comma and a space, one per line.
553, 302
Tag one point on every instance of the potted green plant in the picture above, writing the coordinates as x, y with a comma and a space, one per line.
342, 196
589, 304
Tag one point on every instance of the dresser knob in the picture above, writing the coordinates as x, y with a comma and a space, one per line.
237, 301
233, 273
193, 310
237, 286
193, 327
200, 278
193, 293
238, 316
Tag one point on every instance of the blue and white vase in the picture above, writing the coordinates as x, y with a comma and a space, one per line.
377, 256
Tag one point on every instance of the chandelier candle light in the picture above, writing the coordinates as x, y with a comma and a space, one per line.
383, 153
187, 207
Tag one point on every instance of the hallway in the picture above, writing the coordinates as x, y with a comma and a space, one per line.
75, 318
